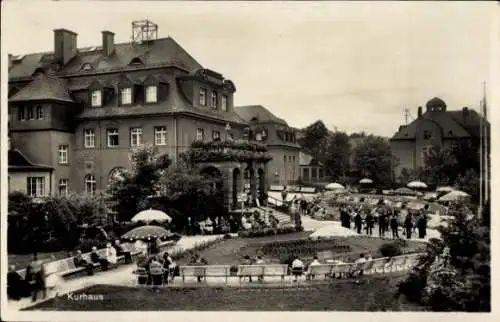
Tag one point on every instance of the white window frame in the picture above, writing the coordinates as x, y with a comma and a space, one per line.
200, 134
136, 136
96, 98
160, 133
90, 184
63, 154
89, 138
63, 184
40, 113
35, 186
126, 96
215, 135
213, 100
31, 113
203, 96
112, 133
152, 94
224, 103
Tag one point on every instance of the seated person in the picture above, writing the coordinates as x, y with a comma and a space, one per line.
359, 263
244, 222
95, 258
82, 262
297, 268
313, 263
16, 285
120, 250
260, 261
111, 254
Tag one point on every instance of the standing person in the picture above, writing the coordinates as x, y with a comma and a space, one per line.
120, 250
381, 222
370, 220
408, 224
167, 262
15, 284
422, 225
394, 226
36, 278
358, 222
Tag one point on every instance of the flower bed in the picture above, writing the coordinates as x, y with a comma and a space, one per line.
268, 231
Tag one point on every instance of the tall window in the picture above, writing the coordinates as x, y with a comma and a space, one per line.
96, 98
215, 135
203, 97
90, 184
63, 154
200, 134
126, 96
20, 113
136, 136
63, 187
112, 135
160, 135
31, 113
89, 138
36, 186
151, 94
213, 100
39, 112
224, 103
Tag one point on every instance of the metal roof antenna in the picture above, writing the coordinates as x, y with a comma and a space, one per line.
144, 31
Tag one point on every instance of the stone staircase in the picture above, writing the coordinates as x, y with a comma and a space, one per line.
284, 219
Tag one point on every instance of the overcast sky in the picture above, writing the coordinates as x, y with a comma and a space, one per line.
355, 66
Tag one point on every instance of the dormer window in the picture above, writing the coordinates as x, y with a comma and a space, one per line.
96, 98
213, 100
151, 94
136, 61
126, 96
224, 103
87, 66
203, 97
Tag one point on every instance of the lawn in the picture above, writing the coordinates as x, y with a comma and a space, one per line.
371, 294
274, 249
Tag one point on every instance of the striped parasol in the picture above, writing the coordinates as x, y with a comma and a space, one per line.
148, 233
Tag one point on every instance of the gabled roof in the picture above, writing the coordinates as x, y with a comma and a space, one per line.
160, 52
18, 161
43, 87
452, 123
259, 113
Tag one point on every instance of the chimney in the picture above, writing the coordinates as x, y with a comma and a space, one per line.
419, 113
108, 43
64, 45
465, 114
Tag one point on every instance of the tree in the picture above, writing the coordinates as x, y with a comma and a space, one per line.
337, 155
454, 273
130, 194
372, 158
315, 140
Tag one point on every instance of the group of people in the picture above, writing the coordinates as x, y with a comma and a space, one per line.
40, 277
386, 217
259, 220
156, 270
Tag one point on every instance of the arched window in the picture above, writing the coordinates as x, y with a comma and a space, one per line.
90, 184
117, 174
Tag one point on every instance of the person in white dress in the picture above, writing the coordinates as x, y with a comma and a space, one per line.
111, 254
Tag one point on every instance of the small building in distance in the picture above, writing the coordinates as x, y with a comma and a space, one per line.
437, 126
280, 140
311, 170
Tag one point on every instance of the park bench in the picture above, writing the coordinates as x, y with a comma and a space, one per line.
379, 265
249, 271
397, 263
342, 270
320, 270
205, 271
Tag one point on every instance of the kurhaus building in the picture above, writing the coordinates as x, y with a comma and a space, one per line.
76, 114
437, 126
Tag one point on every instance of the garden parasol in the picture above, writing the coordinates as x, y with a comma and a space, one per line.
445, 189
334, 186
150, 215
149, 234
417, 184
454, 196
366, 180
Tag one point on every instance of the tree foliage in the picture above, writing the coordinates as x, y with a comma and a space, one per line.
454, 273
337, 156
373, 159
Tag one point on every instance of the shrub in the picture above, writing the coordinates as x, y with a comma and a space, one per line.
268, 231
227, 236
390, 249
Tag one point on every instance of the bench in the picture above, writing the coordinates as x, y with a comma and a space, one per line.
318, 270
205, 271
249, 271
379, 265
192, 271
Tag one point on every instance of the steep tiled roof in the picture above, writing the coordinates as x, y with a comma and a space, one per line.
452, 123
259, 112
43, 87
19, 161
164, 51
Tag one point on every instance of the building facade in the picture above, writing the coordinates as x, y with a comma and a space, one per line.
82, 112
437, 126
280, 140
311, 170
